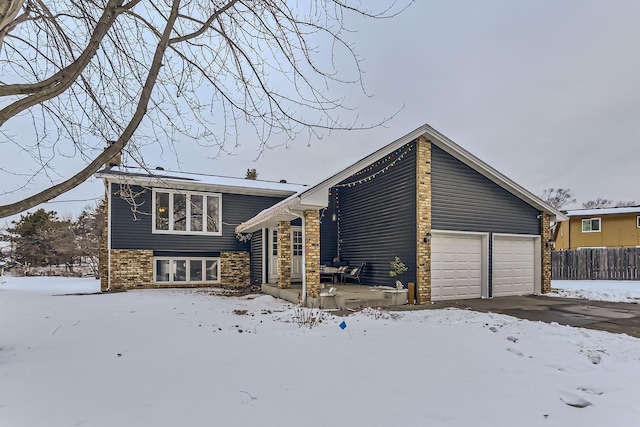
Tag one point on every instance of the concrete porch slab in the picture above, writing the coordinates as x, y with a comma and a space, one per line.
346, 296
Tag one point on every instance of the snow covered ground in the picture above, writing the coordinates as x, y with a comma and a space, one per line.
187, 358
598, 290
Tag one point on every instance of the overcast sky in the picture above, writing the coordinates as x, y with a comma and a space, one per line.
547, 92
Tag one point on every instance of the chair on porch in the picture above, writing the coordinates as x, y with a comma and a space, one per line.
353, 274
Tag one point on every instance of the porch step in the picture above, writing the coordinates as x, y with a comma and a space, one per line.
354, 297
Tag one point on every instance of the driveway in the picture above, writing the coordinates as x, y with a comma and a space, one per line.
614, 317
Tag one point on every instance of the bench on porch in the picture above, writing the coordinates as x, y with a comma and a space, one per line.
352, 274
332, 273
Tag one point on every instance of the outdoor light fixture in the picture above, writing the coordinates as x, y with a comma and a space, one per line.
549, 243
427, 237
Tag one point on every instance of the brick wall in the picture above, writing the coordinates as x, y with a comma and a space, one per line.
545, 228
131, 269
235, 269
312, 252
284, 254
423, 219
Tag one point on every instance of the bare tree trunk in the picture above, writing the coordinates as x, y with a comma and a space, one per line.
111, 151
8, 12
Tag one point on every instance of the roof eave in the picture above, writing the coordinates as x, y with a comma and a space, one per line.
161, 182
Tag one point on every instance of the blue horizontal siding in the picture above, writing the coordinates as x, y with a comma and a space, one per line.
256, 258
129, 232
329, 230
377, 220
464, 200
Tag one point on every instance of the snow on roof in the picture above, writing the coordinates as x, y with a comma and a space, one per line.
138, 174
603, 211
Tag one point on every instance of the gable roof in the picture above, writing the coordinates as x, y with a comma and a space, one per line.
603, 211
315, 197
160, 178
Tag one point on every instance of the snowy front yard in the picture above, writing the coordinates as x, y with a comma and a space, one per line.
187, 358
597, 290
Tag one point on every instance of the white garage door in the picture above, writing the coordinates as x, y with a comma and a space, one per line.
513, 265
456, 266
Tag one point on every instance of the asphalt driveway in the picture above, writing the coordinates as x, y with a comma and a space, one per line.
614, 317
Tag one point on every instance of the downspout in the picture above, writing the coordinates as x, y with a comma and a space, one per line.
108, 184
265, 254
303, 297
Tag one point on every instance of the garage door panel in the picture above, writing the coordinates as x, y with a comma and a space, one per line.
513, 265
456, 266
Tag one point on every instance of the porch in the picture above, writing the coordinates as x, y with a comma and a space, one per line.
347, 296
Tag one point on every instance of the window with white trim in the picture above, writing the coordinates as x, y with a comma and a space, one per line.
186, 270
187, 212
591, 225
638, 221
296, 240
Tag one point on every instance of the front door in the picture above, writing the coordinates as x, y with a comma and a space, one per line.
296, 253
273, 255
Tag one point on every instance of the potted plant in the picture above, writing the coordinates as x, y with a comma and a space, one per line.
397, 268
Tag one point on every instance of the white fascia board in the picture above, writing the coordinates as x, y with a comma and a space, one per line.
173, 184
281, 211
286, 210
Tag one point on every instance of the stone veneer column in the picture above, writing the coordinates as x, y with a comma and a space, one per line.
284, 254
234, 269
131, 268
545, 228
423, 219
312, 252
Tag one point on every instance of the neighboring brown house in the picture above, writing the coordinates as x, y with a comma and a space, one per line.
600, 228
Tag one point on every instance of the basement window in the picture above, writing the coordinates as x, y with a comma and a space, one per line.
186, 270
591, 225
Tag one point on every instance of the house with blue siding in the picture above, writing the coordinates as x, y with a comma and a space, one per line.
174, 229
463, 229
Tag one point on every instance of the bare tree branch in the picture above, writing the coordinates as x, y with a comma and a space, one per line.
149, 74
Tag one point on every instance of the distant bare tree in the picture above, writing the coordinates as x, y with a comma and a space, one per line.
558, 197
88, 229
126, 74
598, 203
625, 204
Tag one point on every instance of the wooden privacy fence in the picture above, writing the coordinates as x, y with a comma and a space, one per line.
596, 264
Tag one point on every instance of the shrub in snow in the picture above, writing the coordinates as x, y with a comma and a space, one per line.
310, 317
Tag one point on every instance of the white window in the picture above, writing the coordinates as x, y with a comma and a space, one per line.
591, 225
187, 212
638, 221
186, 270
297, 243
